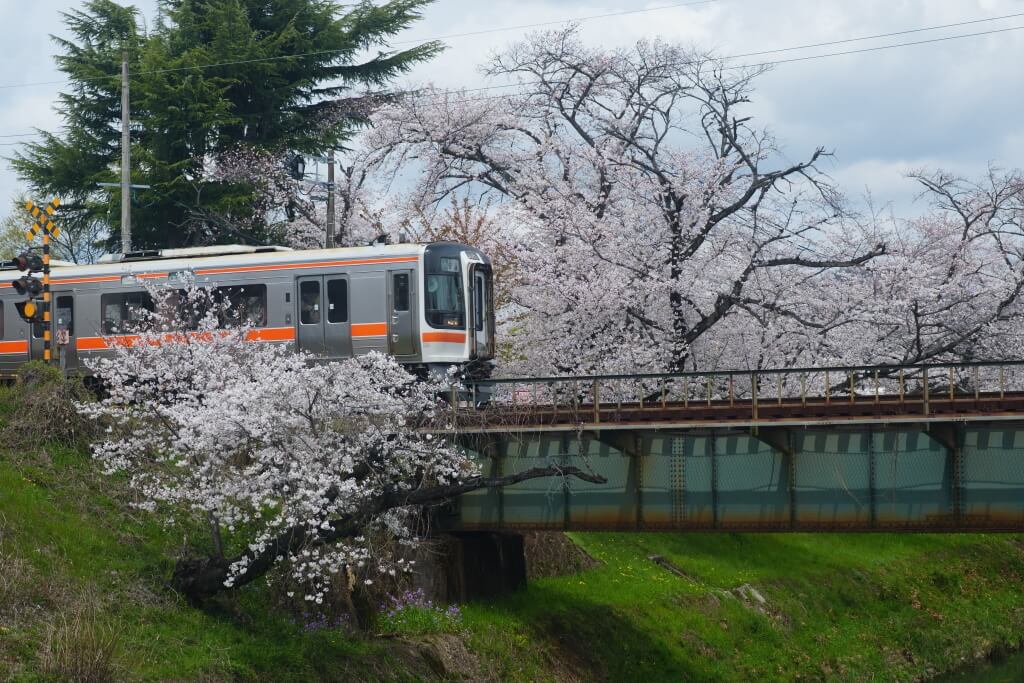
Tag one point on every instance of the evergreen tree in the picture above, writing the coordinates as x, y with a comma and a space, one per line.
211, 76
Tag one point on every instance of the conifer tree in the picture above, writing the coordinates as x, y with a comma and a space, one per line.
210, 76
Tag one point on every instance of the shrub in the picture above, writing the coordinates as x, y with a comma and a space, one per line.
41, 409
79, 649
412, 613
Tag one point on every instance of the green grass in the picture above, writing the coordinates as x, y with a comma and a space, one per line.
848, 607
122, 558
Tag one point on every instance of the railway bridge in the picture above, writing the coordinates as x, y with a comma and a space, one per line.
914, 448
894, 448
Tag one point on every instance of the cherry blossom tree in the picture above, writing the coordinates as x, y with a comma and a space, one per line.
293, 465
949, 289
649, 209
295, 211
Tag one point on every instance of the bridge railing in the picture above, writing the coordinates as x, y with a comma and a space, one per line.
918, 388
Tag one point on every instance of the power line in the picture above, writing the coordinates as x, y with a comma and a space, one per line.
880, 47
878, 35
555, 23
794, 59
318, 53
441, 93
19, 135
736, 56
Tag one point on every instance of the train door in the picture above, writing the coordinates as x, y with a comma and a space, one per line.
402, 313
35, 342
311, 325
65, 330
324, 321
482, 319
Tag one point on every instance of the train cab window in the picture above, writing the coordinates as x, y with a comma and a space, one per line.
245, 305
401, 291
124, 312
445, 303
309, 302
337, 301
66, 314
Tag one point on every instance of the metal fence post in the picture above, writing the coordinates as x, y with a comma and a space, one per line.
753, 395
924, 379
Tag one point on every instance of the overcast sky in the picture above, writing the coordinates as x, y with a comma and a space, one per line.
954, 104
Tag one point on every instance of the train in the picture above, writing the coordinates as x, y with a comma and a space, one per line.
430, 306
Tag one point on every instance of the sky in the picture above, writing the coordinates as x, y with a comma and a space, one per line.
952, 104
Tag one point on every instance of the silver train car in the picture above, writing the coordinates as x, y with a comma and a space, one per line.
428, 305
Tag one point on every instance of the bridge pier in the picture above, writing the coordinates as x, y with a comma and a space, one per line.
483, 564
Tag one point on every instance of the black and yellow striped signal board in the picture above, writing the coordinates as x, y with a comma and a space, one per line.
43, 219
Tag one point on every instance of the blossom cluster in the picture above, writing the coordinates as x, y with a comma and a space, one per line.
266, 444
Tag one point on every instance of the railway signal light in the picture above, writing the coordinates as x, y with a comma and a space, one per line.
30, 311
28, 285
28, 261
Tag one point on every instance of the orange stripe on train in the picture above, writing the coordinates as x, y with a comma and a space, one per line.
447, 337
100, 343
80, 280
272, 334
14, 347
369, 329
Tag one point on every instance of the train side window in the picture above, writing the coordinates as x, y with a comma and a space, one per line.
309, 302
401, 290
479, 291
337, 301
124, 312
247, 305
66, 314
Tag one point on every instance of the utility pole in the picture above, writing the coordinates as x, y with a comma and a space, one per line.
330, 199
126, 162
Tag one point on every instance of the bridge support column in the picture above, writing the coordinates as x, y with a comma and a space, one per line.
781, 440
712, 446
484, 564
631, 445
951, 437
872, 480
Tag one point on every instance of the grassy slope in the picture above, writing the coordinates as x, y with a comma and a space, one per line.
70, 546
851, 607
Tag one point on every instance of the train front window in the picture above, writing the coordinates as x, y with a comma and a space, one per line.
445, 303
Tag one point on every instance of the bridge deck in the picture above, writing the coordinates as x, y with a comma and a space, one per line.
739, 413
